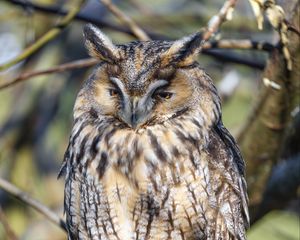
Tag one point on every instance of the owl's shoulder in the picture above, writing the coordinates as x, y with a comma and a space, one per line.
227, 159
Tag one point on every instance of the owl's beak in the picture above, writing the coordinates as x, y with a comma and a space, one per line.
134, 118
137, 109
138, 115
135, 115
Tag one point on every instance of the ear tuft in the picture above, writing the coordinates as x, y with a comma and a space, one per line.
99, 45
183, 51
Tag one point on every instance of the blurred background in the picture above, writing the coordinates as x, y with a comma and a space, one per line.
261, 102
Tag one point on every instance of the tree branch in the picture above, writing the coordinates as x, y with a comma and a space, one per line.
216, 21
235, 58
80, 16
24, 197
245, 44
60, 68
126, 20
51, 34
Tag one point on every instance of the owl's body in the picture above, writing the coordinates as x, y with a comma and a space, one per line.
148, 156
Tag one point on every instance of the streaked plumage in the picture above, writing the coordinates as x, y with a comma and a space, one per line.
149, 157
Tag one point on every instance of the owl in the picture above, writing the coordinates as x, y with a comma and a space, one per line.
148, 156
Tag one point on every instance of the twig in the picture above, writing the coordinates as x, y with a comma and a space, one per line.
9, 232
239, 44
80, 16
51, 34
24, 197
140, 6
216, 21
60, 68
235, 58
126, 20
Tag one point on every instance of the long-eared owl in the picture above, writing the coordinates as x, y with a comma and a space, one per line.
148, 156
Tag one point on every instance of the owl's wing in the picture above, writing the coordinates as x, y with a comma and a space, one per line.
71, 195
233, 171
63, 168
231, 144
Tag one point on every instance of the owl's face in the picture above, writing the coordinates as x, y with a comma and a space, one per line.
141, 84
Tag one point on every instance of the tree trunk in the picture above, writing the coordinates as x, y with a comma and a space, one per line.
267, 128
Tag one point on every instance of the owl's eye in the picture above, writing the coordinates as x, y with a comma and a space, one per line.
164, 95
113, 92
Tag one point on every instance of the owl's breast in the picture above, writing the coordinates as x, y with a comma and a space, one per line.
163, 203
156, 187
153, 184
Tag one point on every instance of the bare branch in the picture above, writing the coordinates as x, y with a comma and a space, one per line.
239, 44
24, 197
126, 20
60, 68
216, 21
80, 16
235, 58
140, 6
50, 35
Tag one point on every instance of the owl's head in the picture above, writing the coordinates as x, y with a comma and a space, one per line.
144, 83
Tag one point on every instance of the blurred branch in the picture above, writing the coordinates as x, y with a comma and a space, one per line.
239, 44
144, 10
212, 48
24, 197
126, 20
281, 187
50, 35
60, 68
80, 16
235, 58
9, 232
